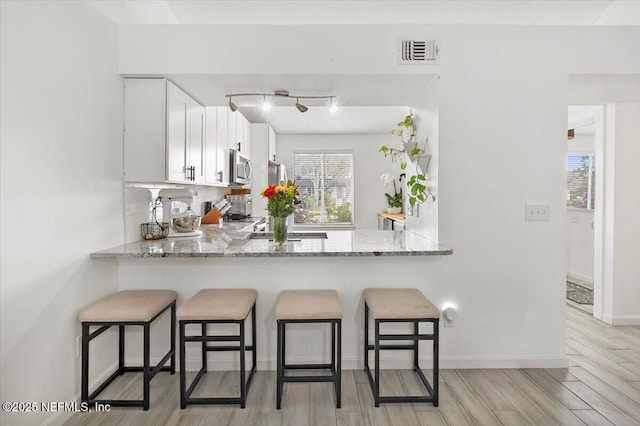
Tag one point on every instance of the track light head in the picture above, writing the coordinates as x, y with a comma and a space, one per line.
301, 107
233, 107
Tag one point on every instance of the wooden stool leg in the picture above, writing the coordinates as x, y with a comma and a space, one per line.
339, 366
146, 367
121, 349
279, 367
173, 338
183, 373
243, 385
376, 384
436, 355
85, 363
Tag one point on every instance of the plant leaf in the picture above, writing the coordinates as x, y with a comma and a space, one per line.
415, 151
412, 201
403, 165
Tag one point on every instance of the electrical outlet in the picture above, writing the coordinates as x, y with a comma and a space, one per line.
78, 346
536, 212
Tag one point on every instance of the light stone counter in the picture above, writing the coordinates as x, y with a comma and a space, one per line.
233, 241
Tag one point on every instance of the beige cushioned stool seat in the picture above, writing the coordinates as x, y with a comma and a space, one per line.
128, 305
218, 304
308, 304
389, 303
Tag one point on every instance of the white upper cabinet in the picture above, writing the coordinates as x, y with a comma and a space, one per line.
196, 148
178, 108
243, 135
165, 133
222, 144
272, 144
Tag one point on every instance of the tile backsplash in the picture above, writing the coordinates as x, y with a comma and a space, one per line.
139, 200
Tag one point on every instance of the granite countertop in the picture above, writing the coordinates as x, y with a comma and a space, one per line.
234, 241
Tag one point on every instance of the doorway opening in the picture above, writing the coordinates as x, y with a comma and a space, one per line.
581, 195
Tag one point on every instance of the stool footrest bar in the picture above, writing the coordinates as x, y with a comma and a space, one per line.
308, 366
309, 378
391, 347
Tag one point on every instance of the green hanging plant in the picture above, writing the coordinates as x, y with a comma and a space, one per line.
416, 183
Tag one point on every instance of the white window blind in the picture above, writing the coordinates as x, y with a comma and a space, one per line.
580, 181
325, 182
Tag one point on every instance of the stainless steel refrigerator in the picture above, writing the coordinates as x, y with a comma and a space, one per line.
277, 173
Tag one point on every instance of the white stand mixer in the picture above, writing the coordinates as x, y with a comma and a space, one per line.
167, 197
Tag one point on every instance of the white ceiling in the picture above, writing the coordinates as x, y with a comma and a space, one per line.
319, 120
367, 103
350, 90
309, 12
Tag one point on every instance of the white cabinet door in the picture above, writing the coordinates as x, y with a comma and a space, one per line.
178, 109
222, 144
232, 130
165, 132
243, 135
211, 175
272, 144
145, 130
196, 147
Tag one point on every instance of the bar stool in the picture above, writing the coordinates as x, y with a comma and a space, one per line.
309, 306
126, 308
398, 305
218, 306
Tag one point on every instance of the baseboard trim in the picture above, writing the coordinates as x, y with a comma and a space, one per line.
61, 417
625, 320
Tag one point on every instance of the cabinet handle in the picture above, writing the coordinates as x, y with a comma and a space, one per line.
274, 158
191, 173
220, 176
239, 149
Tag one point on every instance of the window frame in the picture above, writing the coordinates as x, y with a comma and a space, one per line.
330, 225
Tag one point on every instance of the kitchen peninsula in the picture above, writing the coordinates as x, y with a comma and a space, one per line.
233, 242
347, 261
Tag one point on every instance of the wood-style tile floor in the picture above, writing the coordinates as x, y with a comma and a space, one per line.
601, 387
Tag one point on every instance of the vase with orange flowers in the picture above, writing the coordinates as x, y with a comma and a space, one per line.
282, 200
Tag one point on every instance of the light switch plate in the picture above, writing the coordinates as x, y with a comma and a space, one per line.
536, 212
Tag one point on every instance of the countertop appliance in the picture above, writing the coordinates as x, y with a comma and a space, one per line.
167, 197
277, 173
240, 168
240, 205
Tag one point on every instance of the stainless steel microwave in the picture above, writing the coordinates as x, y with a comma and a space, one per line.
240, 165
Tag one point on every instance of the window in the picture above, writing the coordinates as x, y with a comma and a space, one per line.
325, 182
581, 172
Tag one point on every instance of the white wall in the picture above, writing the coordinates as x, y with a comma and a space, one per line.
61, 138
426, 117
626, 269
502, 98
369, 164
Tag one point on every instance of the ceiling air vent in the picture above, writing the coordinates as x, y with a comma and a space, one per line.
418, 52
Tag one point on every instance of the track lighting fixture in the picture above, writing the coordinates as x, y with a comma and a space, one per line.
266, 97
